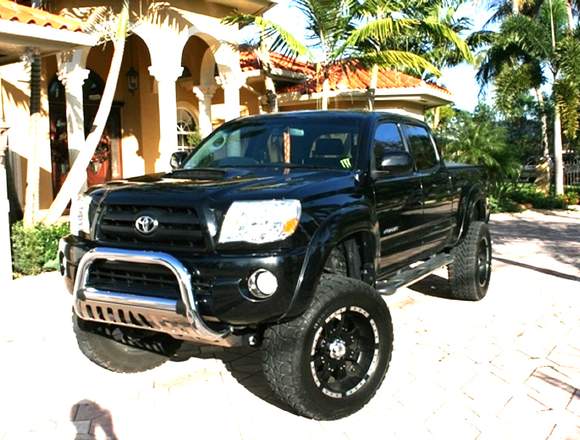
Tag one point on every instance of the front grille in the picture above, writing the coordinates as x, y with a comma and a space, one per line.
134, 278
178, 228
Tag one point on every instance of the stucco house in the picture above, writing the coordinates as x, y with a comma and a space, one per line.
182, 73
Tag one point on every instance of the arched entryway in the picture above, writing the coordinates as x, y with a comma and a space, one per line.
106, 162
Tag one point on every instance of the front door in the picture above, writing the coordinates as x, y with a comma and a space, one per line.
106, 162
398, 204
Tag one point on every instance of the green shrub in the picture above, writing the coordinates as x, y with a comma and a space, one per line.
516, 198
530, 195
572, 195
503, 204
35, 249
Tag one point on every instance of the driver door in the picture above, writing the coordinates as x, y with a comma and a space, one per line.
398, 201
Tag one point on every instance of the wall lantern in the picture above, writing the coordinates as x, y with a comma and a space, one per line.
132, 80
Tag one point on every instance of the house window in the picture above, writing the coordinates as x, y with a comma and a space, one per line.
186, 129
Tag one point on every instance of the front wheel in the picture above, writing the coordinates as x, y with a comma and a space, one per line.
123, 349
329, 362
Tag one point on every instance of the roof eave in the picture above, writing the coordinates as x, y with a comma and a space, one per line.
426, 96
45, 38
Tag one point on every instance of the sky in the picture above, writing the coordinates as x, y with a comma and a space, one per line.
460, 80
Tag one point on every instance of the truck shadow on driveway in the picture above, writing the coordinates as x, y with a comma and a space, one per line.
433, 285
243, 363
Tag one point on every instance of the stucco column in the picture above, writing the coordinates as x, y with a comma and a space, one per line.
73, 75
166, 76
204, 96
231, 85
5, 254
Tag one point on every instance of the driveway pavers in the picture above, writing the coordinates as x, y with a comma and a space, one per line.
507, 367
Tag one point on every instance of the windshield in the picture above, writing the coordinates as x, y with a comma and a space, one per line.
289, 142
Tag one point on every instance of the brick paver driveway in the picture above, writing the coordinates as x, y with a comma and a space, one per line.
504, 368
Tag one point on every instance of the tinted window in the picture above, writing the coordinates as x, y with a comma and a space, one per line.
387, 138
422, 147
264, 142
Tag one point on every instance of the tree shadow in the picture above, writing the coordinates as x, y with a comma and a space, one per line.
243, 363
87, 416
545, 271
559, 239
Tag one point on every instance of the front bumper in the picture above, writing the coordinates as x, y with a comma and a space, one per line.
213, 288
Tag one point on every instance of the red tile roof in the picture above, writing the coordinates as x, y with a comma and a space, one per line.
23, 14
249, 61
354, 76
351, 76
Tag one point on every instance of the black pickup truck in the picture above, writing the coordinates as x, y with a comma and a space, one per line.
280, 232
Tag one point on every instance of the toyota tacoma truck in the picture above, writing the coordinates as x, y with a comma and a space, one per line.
281, 232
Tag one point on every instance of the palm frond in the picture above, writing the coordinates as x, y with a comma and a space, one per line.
401, 60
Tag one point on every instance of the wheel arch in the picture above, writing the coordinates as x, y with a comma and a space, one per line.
353, 223
472, 207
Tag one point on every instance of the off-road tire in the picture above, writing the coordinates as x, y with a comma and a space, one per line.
288, 347
123, 350
466, 280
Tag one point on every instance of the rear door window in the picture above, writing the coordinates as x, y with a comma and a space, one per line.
422, 147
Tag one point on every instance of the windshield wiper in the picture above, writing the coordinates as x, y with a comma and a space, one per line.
284, 165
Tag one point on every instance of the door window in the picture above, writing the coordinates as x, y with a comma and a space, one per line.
387, 138
422, 147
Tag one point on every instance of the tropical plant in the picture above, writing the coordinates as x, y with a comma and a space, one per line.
351, 33
479, 139
528, 52
113, 27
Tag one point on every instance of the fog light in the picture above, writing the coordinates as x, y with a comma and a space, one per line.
262, 284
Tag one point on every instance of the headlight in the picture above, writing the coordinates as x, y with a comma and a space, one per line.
260, 221
79, 215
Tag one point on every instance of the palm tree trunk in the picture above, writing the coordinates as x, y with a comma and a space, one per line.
77, 175
516, 7
373, 86
569, 10
271, 94
558, 152
32, 204
325, 93
544, 123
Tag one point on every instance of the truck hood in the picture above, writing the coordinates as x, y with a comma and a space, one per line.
217, 188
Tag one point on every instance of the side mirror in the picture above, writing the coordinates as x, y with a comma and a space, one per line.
396, 162
177, 159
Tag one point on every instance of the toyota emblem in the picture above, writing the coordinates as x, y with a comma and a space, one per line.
146, 224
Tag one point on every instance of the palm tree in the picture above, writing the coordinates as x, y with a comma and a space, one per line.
110, 27
270, 37
429, 29
542, 44
358, 32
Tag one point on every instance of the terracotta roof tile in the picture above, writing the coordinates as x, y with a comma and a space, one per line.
23, 14
350, 76
353, 76
249, 61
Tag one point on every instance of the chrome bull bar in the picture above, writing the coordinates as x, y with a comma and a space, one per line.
144, 312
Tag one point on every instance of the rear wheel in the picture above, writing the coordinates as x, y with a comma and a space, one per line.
123, 349
329, 362
470, 272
